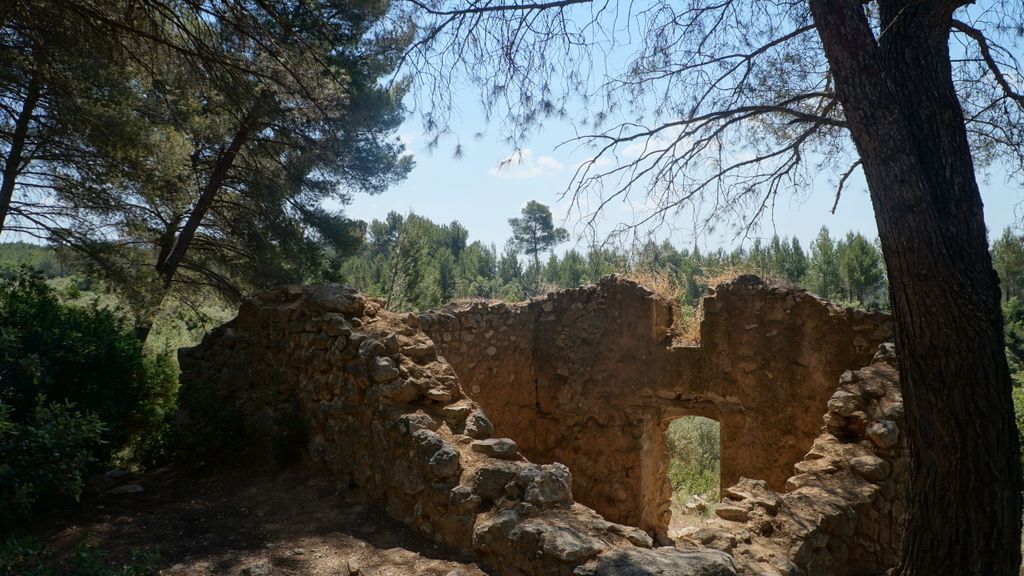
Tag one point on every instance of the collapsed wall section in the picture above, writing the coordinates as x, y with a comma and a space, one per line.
367, 399
843, 510
571, 378
592, 377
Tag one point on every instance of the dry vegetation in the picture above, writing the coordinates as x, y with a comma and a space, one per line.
666, 284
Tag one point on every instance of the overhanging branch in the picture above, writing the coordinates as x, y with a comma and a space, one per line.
478, 9
986, 54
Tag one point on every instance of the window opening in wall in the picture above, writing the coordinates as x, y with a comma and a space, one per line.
694, 451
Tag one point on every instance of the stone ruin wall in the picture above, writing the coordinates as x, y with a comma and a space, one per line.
384, 415
842, 511
381, 411
592, 377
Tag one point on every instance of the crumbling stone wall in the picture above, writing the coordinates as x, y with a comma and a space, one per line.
844, 508
592, 377
380, 411
384, 414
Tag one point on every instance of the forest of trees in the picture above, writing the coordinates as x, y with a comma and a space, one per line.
415, 264
182, 149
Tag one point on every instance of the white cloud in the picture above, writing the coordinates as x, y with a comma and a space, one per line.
522, 164
637, 149
664, 139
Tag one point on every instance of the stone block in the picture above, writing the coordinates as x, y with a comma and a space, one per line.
502, 448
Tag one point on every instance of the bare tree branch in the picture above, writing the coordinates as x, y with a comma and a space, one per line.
483, 9
986, 53
842, 183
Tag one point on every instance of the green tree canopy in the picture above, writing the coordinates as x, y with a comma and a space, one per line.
823, 270
220, 133
861, 266
534, 232
1008, 260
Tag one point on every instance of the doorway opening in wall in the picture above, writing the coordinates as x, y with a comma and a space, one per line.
694, 451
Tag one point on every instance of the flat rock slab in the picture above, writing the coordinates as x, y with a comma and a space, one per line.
732, 512
503, 448
659, 562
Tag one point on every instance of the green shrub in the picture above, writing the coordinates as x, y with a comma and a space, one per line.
27, 557
153, 439
694, 453
76, 393
43, 458
1013, 332
23, 556
1018, 410
88, 356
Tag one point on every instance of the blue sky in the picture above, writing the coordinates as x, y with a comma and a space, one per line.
482, 194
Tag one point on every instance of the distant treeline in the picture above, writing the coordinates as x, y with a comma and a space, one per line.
415, 263
42, 258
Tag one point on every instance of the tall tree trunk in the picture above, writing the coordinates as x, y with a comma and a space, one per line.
12, 165
905, 119
168, 267
145, 315
168, 261
394, 271
536, 270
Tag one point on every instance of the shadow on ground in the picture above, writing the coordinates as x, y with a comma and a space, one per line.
251, 523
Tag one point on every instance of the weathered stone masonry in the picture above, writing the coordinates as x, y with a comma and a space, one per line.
592, 377
589, 377
843, 510
386, 417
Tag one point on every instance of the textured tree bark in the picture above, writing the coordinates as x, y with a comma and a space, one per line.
12, 165
906, 121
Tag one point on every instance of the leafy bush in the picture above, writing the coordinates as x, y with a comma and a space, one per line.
22, 556
88, 356
154, 416
694, 453
76, 393
1018, 409
44, 457
27, 557
1013, 332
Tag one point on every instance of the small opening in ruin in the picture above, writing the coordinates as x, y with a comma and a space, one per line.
694, 451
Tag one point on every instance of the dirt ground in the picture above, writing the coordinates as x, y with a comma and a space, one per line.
681, 518
247, 523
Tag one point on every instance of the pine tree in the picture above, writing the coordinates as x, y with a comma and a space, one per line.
534, 233
861, 266
823, 270
1008, 260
